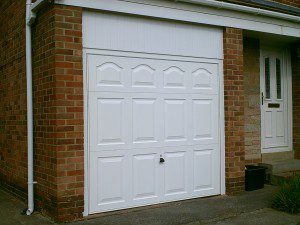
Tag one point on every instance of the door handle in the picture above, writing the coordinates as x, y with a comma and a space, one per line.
161, 159
262, 98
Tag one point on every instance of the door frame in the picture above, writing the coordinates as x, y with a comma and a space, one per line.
288, 84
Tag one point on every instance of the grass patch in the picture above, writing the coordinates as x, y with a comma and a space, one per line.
287, 199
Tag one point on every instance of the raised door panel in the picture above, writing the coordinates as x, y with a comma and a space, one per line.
106, 73
206, 170
204, 78
146, 178
109, 74
204, 119
174, 78
280, 124
143, 76
145, 121
175, 121
268, 124
176, 174
110, 122
203, 163
109, 185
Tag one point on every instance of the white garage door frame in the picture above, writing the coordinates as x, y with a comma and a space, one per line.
221, 131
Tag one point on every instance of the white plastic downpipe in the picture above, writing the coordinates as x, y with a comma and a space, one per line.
30, 16
242, 8
29, 110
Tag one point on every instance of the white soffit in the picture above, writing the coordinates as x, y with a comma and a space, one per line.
192, 13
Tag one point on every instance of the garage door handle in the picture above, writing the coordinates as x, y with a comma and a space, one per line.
161, 160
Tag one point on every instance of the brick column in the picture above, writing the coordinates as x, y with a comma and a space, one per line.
234, 110
295, 60
58, 107
69, 103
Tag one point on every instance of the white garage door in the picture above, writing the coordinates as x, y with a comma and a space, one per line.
153, 110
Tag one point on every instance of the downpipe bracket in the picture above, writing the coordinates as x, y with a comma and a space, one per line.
33, 182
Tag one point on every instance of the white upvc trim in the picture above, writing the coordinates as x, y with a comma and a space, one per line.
290, 96
222, 127
246, 9
86, 143
195, 13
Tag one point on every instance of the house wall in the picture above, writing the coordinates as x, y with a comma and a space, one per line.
252, 101
58, 111
69, 119
295, 3
58, 106
44, 111
13, 117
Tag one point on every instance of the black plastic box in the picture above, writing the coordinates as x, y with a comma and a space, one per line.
254, 177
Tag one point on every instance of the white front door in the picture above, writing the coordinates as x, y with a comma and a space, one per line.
275, 101
153, 111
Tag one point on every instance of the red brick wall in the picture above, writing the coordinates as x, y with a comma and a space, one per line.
252, 101
234, 110
58, 112
58, 107
295, 60
44, 110
13, 117
295, 3
69, 119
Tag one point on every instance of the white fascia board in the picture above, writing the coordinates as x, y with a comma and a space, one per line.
192, 13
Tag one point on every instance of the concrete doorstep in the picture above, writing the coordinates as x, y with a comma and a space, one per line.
250, 208
280, 170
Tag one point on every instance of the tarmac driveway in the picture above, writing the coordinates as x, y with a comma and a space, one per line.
251, 208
